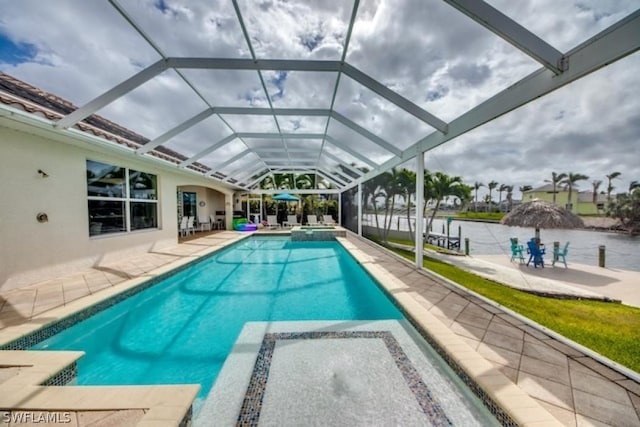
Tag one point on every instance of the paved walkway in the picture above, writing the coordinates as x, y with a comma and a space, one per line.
574, 387
579, 280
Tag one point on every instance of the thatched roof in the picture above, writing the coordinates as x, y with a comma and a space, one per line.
541, 214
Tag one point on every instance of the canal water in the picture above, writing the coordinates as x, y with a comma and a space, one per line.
621, 251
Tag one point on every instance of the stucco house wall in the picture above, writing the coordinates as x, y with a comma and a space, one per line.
31, 250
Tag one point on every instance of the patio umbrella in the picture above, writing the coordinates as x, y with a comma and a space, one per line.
540, 214
285, 197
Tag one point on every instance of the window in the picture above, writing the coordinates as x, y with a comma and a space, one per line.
120, 199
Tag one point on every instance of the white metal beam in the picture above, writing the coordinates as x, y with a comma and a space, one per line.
395, 98
347, 149
340, 161
276, 111
617, 41
271, 135
175, 131
251, 64
112, 94
259, 179
218, 168
332, 179
297, 191
224, 141
234, 173
494, 20
364, 132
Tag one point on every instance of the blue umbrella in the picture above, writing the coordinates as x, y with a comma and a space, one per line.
286, 197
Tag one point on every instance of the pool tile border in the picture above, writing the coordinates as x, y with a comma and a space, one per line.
252, 405
64, 377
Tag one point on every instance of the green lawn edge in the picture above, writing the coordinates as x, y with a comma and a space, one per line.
610, 329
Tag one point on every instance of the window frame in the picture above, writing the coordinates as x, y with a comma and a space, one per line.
127, 201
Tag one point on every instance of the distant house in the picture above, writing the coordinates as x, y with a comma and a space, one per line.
582, 201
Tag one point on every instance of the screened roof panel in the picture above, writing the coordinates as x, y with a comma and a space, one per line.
302, 124
150, 108
188, 77
378, 115
197, 28
199, 137
447, 71
228, 88
300, 89
566, 24
251, 123
276, 29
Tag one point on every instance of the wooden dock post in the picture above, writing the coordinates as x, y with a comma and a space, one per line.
601, 255
466, 246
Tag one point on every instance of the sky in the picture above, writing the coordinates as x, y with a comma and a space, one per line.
424, 50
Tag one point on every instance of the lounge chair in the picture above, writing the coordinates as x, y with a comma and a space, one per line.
557, 254
272, 221
517, 251
312, 220
535, 254
328, 220
292, 221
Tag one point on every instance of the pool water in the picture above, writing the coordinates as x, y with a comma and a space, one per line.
182, 329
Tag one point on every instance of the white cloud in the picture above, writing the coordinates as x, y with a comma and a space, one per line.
426, 51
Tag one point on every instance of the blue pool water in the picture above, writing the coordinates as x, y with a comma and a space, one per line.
182, 329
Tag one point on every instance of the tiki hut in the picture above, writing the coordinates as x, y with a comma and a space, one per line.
540, 214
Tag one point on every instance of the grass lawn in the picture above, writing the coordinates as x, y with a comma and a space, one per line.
607, 328
487, 216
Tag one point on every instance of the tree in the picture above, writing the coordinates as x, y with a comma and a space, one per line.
442, 186
391, 189
491, 186
570, 181
407, 184
596, 184
633, 185
509, 191
523, 189
626, 208
476, 186
556, 178
503, 187
610, 187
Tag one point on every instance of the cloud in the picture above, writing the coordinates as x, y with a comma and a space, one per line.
426, 51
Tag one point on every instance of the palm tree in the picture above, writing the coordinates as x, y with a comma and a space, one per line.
556, 178
523, 189
610, 187
503, 187
596, 184
443, 185
633, 185
491, 186
407, 186
509, 191
569, 181
476, 186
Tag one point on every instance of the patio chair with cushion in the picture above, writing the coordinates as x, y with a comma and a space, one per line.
312, 220
328, 220
272, 221
560, 253
292, 221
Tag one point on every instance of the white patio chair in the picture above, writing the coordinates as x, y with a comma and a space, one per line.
328, 220
190, 226
272, 221
183, 225
312, 220
204, 222
292, 221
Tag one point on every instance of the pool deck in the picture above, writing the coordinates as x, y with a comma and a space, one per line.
575, 387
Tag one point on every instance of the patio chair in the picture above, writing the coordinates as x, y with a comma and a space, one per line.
190, 226
517, 251
292, 221
312, 220
535, 254
558, 253
204, 222
272, 221
328, 220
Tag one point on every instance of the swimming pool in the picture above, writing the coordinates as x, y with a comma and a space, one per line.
182, 329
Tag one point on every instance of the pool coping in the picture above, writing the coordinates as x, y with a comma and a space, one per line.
506, 400
499, 393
